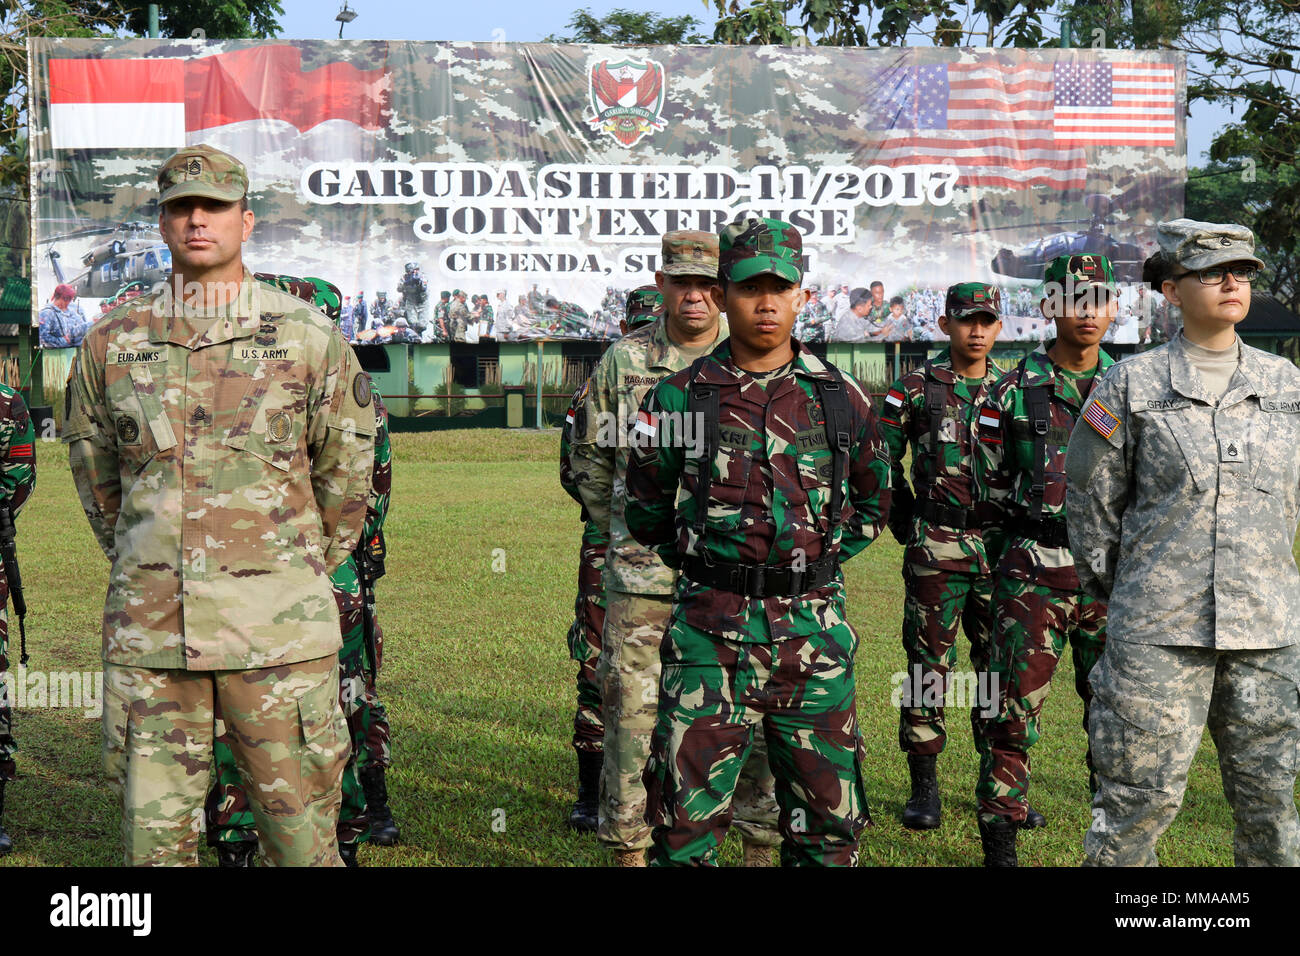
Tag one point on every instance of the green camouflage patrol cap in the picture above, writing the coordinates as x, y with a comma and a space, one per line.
750, 247
968, 298
644, 305
1078, 272
1199, 245
687, 252
202, 171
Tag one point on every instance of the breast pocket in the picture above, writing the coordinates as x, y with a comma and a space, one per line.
1274, 438
272, 417
729, 477
1175, 441
139, 417
816, 469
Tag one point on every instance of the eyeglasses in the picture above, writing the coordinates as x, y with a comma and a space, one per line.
1214, 275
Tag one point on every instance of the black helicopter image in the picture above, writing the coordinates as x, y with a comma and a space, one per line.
132, 252
1028, 261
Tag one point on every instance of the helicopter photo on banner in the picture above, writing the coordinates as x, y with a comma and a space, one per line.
457, 192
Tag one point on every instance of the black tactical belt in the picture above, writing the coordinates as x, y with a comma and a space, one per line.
1046, 531
761, 580
949, 517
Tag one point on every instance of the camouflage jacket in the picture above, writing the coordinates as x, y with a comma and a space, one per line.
1182, 510
575, 419
225, 473
17, 471
1005, 468
769, 495
906, 419
626, 373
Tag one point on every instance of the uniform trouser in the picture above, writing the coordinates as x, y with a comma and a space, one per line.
584, 647
715, 695
229, 815
1033, 625
936, 602
8, 746
628, 672
1150, 709
289, 742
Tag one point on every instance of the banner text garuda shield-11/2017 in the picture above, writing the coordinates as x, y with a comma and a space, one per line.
520, 190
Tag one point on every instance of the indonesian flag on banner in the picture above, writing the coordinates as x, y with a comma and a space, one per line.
165, 102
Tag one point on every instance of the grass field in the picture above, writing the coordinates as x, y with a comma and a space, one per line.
480, 690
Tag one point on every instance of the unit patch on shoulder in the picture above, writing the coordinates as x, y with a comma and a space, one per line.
1101, 418
361, 388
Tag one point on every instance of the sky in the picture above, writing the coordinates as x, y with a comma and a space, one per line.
527, 21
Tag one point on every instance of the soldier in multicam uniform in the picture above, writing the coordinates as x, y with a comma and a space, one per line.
644, 306
457, 317
946, 571
221, 436
638, 585
1184, 496
364, 815
1024, 430
796, 479
17, 479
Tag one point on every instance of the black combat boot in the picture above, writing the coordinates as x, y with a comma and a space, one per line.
237, 853
349, 853
383, 828
1033, 819
6, 843
585, 814
921, 812
999, 839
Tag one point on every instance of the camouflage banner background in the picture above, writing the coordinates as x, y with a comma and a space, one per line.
455, 191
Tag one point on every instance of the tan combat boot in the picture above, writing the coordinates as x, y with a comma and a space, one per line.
757, 854
629, 858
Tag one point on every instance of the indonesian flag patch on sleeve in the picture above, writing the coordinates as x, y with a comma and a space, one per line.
647, 424
990, 426
894, 400
1101, 418
568, 416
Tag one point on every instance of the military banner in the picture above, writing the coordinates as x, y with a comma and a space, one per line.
457, 191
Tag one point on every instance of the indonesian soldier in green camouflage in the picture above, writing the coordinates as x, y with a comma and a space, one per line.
364, 815
946, 570
791, 478
17, 479
457, 317
1184, 496
1024, 430
638, 585
221, 437
644, 306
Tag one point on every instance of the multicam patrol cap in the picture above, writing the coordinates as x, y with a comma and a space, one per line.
687, 252
1199, 245
969, 298
644, 305
750, 247
1076, 273
202, 171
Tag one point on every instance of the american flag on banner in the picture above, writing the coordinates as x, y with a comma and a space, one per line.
1018, 125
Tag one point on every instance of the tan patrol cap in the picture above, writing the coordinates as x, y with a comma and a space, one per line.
202, 171
688, 252
1199, 245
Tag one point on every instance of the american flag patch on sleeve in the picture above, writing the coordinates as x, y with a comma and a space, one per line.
1101, 418
990, 424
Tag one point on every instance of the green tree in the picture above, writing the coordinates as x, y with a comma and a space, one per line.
629, 28
220, 19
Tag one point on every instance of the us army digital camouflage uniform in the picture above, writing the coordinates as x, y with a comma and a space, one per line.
1038, 604
457, 317
638, 585
946, 570
223, 460
1183, 507
733, 663
17, 479
229, 815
